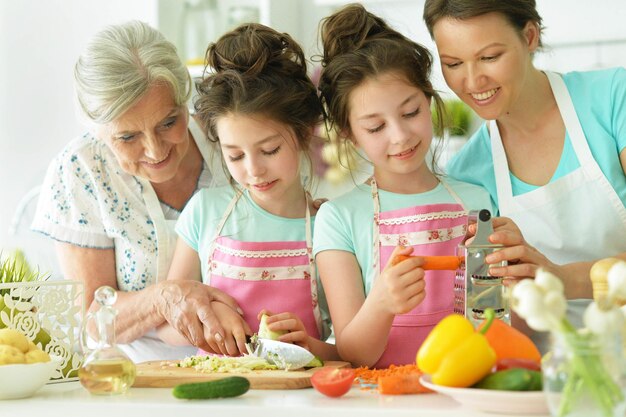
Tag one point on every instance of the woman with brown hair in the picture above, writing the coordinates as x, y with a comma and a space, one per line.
552, 152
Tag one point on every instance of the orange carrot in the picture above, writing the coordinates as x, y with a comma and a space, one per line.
401, 384
508, 342
433, 263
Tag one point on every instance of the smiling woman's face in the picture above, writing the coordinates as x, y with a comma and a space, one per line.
150, 139
486, 61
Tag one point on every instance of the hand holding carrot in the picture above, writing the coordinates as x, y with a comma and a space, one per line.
400, 288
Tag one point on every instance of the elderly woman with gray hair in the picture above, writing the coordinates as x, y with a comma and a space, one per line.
111, 197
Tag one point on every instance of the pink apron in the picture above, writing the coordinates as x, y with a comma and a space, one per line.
433, 229
276, 276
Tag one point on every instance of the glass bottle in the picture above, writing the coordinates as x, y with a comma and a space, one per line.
585, 375
106, 370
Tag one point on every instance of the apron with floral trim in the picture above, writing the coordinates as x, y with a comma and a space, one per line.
276, 276
432, 229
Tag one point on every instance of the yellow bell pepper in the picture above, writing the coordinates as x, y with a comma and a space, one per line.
454, 354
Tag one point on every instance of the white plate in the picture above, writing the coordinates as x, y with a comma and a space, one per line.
506, 402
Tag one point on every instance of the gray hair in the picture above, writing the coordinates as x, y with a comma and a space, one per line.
120, 64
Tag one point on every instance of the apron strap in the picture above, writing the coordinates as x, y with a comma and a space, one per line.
220, 226
376, 228
160, 227
453, 193
312, 266
501, 169
570, 119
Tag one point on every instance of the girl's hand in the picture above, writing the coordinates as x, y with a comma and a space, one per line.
401, 288
523, 259
291, 323
233, 343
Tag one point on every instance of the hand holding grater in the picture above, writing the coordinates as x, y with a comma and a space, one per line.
474, 289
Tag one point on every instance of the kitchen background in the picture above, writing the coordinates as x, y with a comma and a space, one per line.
40, 40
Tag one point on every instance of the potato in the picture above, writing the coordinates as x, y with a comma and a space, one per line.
37, 355
11, 355
14, 338
598, 273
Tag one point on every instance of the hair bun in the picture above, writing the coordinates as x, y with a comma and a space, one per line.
252, 48
348, 29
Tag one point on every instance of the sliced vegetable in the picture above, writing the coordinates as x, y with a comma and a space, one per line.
454, 354
433, 263
316, 362
222, 388
510, 363
215, 363
265, 332
333, 382
516, 379
508, 342
401, 384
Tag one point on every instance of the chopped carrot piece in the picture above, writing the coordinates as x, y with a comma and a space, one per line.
401, 384
392, 380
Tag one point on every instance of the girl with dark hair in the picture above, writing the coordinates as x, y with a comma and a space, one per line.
376, 88
253, 239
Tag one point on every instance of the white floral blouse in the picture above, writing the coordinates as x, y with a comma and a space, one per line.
89, 201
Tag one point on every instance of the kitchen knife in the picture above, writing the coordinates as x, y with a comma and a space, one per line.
283, 355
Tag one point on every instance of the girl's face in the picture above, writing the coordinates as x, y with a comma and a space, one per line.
151, 138
390, 120
485, 61
263, 156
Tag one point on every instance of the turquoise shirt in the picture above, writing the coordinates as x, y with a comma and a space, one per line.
599, 98
247, 222
346, 223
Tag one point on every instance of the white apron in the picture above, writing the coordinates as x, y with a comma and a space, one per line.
578, 217
150, 346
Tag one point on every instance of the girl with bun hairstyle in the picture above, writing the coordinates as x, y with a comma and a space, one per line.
378, 96
253, 239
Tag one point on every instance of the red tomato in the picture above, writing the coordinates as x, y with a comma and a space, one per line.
333, 382
508, 363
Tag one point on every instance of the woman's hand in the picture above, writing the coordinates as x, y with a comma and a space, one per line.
289, 322
186, 306
401, 288
523, 259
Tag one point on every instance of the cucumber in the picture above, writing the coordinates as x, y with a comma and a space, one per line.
316, 362
514, 379
232, 386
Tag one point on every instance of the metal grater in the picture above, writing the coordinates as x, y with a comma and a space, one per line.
474, 289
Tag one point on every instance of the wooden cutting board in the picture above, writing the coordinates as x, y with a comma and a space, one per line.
162, 374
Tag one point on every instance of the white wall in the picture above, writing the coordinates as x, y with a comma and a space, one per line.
40, 40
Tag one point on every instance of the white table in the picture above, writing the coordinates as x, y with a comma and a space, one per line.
69, 399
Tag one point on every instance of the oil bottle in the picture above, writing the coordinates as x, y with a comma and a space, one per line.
106, 370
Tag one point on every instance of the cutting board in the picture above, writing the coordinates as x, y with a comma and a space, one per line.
164, 374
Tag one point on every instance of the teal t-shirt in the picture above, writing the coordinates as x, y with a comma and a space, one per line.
599, 98
247, 222
346, 223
